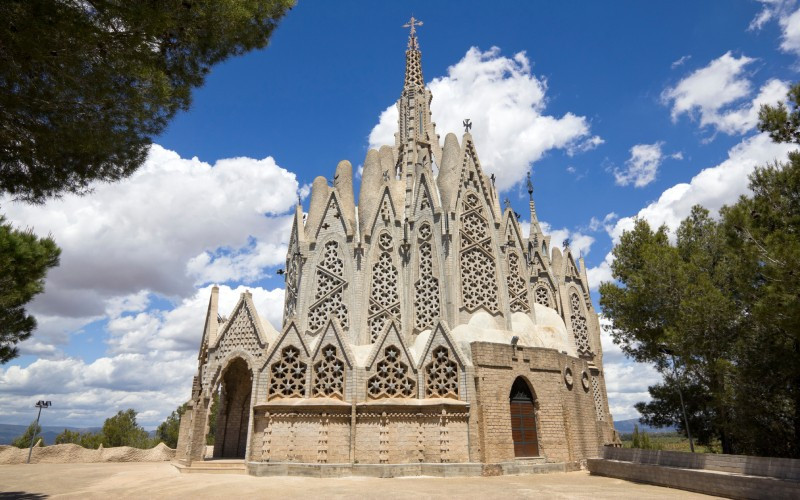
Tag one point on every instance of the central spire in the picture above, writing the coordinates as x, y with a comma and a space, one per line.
413, 56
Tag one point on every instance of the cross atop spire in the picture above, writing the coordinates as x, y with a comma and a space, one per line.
412, 38
413, 56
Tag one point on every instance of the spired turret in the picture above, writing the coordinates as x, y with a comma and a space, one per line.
401, 302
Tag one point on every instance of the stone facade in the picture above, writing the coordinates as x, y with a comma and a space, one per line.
407, 319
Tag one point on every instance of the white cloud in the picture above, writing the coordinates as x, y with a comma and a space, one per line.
600, 273
712, 187
718, 94
788, 19
580, 243
173, 224
680, 62
641, 168
140, 345
506, 103
626, 380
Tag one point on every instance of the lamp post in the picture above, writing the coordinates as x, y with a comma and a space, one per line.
40, 405
671, 354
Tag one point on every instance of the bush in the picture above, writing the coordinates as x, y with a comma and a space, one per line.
24, 440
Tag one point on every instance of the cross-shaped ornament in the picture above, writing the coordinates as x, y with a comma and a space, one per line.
413, 23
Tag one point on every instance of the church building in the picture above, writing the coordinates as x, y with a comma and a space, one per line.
420, 325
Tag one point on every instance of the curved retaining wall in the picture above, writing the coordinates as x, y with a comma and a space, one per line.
72, 453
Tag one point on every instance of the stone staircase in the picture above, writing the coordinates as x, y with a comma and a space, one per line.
218, 466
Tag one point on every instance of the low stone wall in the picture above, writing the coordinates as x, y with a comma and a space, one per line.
72, 453
733, 476
781, 468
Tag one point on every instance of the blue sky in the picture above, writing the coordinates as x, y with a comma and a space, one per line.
620, 109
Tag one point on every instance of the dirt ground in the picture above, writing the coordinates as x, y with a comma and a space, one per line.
162, 480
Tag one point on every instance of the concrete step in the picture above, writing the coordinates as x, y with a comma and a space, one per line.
212, 467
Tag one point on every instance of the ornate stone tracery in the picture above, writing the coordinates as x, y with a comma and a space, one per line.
391, 379
288, 375
329, 374
579, 327
426, 289
329, 293
517, 286
543, 295
441, 375
478, 269
384, 299
598, 399
292, 265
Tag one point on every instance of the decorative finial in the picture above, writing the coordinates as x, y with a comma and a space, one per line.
413, 23
467, 125
507, 203
492, 177
566, 243
530, 185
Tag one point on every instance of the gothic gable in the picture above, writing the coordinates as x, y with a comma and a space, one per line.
424, 201
333, 222
441, 364
331, 360
390, 337
386, 214
241, 332
390, 368
472, 178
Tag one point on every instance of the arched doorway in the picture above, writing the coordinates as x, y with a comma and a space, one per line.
233, 417
523, 420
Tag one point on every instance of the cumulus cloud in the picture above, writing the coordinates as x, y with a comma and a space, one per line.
626, 380
141, 343
506, 103
642, 166
580, 243
718, 93
174, 224
788, 17
713, 187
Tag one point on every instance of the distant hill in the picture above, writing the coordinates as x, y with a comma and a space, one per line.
626, 426
8, 432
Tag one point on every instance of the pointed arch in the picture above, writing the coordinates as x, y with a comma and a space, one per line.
329, 287
524, 433
580, 328
384, 294
427, 306
477, 261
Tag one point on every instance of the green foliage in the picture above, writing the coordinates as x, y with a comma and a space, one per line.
68, 436
782, 123
167, 431
122, 430
24, 261
85, 439
24, 441
85, 85
670, 441
642, 441
724, 298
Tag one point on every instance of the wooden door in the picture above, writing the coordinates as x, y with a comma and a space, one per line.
523, 421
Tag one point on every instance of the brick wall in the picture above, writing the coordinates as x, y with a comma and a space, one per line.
567, 425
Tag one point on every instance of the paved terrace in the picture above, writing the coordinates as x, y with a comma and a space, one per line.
162, 480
